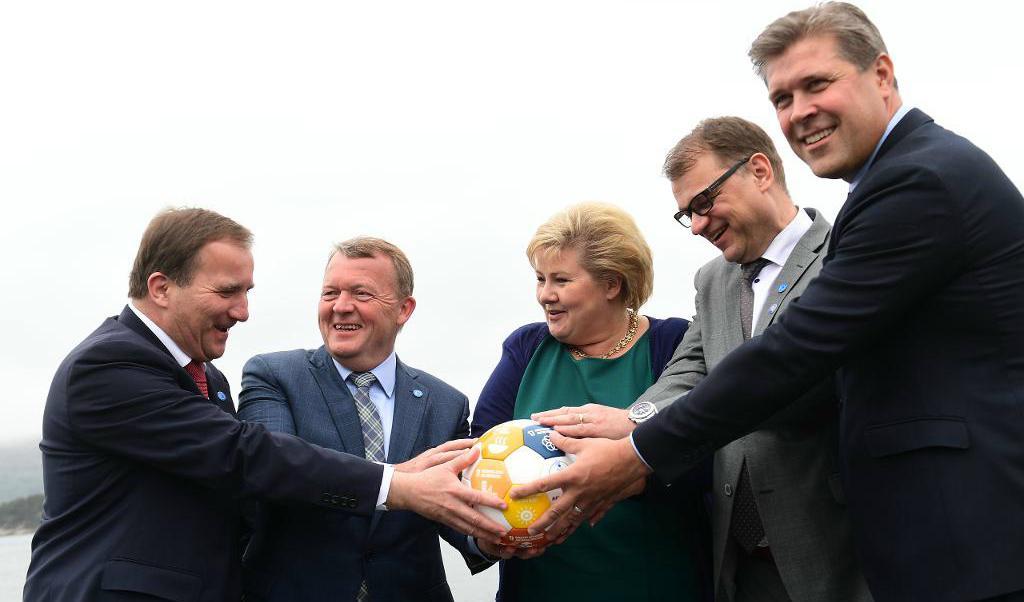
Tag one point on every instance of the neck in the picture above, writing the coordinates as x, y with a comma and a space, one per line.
613, 336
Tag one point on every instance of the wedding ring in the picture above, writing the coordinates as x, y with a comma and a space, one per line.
580, 416
577, 509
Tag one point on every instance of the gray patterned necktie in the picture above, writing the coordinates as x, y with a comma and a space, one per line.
373, 429
746, 526
373, 435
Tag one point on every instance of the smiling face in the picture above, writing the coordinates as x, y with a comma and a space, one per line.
197, 317
579, 308
832, 113
360, 311
746, 216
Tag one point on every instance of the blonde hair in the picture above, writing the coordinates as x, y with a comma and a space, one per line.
609, 244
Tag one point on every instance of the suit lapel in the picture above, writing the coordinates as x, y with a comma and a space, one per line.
803, 255
411, 399
733, 321
339, 402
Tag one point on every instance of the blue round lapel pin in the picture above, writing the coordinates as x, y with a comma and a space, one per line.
417, 393
783, 287
221, 396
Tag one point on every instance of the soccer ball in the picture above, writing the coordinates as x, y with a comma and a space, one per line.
515, 453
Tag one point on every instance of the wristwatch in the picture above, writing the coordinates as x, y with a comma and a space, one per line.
642, 411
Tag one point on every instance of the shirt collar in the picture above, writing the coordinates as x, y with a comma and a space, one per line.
900, 113
384, 373
784, 243
179, 356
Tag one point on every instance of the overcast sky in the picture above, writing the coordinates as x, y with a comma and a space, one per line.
450, 128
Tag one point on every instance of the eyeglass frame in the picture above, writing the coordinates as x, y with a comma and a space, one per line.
708, 195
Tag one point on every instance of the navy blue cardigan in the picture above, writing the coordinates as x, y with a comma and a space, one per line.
497, 400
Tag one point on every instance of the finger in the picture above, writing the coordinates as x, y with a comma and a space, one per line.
454, 444
555, 514
473, 497
440, 458
555, 412
479, 523
463, 460
577, 431
566, 444
559, 419
545, 483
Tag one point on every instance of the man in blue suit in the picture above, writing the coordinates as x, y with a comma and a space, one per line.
144, 462
918, 308
353, 394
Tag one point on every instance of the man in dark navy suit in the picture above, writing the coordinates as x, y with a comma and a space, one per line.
144, 462
919, 308
354, 394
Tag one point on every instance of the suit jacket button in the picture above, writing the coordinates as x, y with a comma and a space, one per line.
728, 489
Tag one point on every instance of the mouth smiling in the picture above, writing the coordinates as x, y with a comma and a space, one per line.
817, 136
346, 327
714, 236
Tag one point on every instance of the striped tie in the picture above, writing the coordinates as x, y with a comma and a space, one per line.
373, 435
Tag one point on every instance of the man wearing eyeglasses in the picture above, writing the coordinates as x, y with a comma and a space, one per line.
780, 528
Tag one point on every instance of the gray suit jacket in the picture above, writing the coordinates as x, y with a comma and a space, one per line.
791, 458
299, 555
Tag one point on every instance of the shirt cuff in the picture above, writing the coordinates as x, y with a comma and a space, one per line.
637, 451
385, 487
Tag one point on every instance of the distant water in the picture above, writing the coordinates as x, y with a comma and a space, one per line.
14, 555
15, 549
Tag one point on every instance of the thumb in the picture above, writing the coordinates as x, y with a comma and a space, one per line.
463, 460
566, 444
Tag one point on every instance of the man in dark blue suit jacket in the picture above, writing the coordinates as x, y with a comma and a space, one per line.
144, 462
298, 555
920, 309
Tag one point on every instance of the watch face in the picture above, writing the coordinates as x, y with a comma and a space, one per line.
642, 411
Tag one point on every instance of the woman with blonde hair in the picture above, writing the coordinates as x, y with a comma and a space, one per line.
594, 272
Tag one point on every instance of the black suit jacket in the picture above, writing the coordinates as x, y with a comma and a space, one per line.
920, 308
143, 477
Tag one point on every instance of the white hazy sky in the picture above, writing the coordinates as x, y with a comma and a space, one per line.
451, 128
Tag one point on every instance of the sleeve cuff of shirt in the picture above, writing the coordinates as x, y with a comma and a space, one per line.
385, 487
638, 454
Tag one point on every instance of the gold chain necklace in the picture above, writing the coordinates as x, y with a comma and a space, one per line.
634, 324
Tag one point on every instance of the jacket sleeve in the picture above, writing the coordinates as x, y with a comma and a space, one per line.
129, 403
262, 398
894, 248
497, 401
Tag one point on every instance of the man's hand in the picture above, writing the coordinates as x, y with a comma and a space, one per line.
436, 455
604, 472
505, 552
590, 420
438, 494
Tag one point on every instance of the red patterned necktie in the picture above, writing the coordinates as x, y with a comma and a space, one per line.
198, 374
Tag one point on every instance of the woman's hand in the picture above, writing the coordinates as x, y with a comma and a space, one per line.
590, 420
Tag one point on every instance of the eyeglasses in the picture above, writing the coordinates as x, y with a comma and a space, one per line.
702, 203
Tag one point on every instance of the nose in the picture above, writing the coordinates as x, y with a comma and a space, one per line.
240, 312
699, 223
802, 108
343, 304
546, 293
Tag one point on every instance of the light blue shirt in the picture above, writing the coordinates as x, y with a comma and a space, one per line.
900, 113
382, 392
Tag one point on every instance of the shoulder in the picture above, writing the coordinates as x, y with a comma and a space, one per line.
712, 271
279, 360
428, 381
667, 329
524, 340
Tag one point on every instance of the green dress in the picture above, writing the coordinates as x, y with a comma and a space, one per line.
640, 550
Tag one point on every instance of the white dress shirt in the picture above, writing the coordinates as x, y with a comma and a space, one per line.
777, 254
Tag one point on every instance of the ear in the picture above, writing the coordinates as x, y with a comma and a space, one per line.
405, 310
885, 74
158, 286
613, 286
761, 167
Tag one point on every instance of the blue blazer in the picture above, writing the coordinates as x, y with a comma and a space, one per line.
143, 477
298, 554
920, 307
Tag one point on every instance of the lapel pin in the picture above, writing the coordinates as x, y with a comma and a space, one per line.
772, 309
417, 393
221, 396
783, 287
